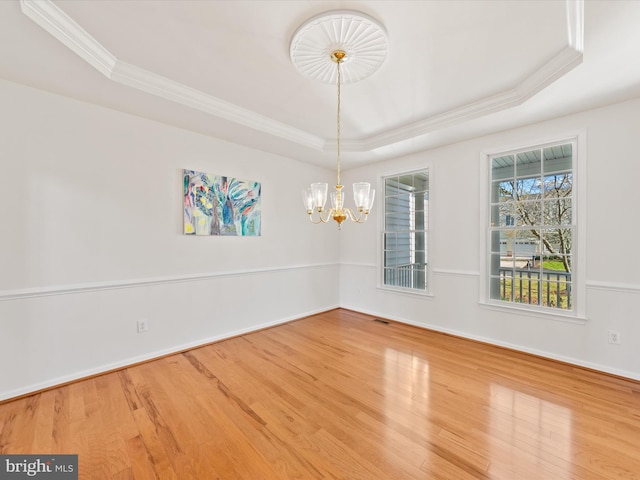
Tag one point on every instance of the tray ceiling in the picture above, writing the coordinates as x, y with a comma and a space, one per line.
453, 69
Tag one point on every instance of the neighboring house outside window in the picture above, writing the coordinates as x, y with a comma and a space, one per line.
532, 227
405, 231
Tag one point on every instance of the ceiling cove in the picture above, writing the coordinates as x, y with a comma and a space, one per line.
57, 23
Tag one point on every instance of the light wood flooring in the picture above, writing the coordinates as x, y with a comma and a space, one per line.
338, 396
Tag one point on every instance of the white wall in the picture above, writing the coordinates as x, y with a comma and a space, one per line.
90, 203
612, 255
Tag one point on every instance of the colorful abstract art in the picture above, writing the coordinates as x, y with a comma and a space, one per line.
216, 205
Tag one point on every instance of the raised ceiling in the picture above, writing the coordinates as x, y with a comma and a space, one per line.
454, 69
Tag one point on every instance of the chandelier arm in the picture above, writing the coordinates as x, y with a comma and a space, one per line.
352, 216
315, 222
360, 217
320, 217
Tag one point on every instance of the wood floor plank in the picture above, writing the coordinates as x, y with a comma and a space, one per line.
338, 396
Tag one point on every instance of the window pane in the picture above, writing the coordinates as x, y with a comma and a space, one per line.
406, 181
556, 293
494, 240
397, 203
390, 241
505, 190
496, 264
391, 186
527, 241
391, 258
558, 186
557, 264
394, 223
520, 244
531, 218
557, 241
502, 286
528, 212
421, 182
503, 167
557, 212
406, 224
558, 158
420, 201
421, 220
528, 188
390, 276
503, 214
419, 278
528, 163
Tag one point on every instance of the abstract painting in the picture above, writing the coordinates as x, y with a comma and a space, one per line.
217, 205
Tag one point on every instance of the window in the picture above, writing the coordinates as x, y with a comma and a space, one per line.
406, 220
532, 227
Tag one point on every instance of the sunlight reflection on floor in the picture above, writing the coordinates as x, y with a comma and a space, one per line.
537, 431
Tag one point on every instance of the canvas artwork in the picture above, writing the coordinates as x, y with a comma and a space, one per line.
217, 205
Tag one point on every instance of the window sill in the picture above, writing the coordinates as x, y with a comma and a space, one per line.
406, 291
547, 314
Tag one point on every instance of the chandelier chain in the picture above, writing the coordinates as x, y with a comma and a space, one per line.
338, 120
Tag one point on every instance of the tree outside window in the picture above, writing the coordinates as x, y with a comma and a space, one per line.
532, 227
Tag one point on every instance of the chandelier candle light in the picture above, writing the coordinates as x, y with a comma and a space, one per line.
362, 42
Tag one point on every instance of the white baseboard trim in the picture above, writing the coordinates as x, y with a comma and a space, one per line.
540, 353
128, 362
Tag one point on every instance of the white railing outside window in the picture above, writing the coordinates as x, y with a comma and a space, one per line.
532, 226
405, 231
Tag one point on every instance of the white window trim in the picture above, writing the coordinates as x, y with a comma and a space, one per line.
579, 219
380, 232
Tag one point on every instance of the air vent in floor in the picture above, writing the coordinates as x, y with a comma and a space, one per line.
379, 320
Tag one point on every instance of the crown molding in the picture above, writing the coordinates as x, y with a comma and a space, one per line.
544, 76
52, 19
149, 82
57, 23
73, 36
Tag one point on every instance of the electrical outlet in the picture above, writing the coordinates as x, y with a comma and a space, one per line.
143, 325
614, 337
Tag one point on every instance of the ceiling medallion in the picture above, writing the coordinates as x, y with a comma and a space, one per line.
362, 38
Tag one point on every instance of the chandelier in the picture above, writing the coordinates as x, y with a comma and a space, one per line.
358, 42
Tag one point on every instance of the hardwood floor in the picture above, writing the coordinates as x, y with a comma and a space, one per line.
338, 396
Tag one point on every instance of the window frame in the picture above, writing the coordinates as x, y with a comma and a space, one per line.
578, 223
381, 233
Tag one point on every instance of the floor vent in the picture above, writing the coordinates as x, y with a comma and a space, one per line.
379, 320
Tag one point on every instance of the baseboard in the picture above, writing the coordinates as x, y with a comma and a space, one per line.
626, 374
132, 361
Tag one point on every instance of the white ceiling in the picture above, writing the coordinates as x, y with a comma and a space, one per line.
455, 69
